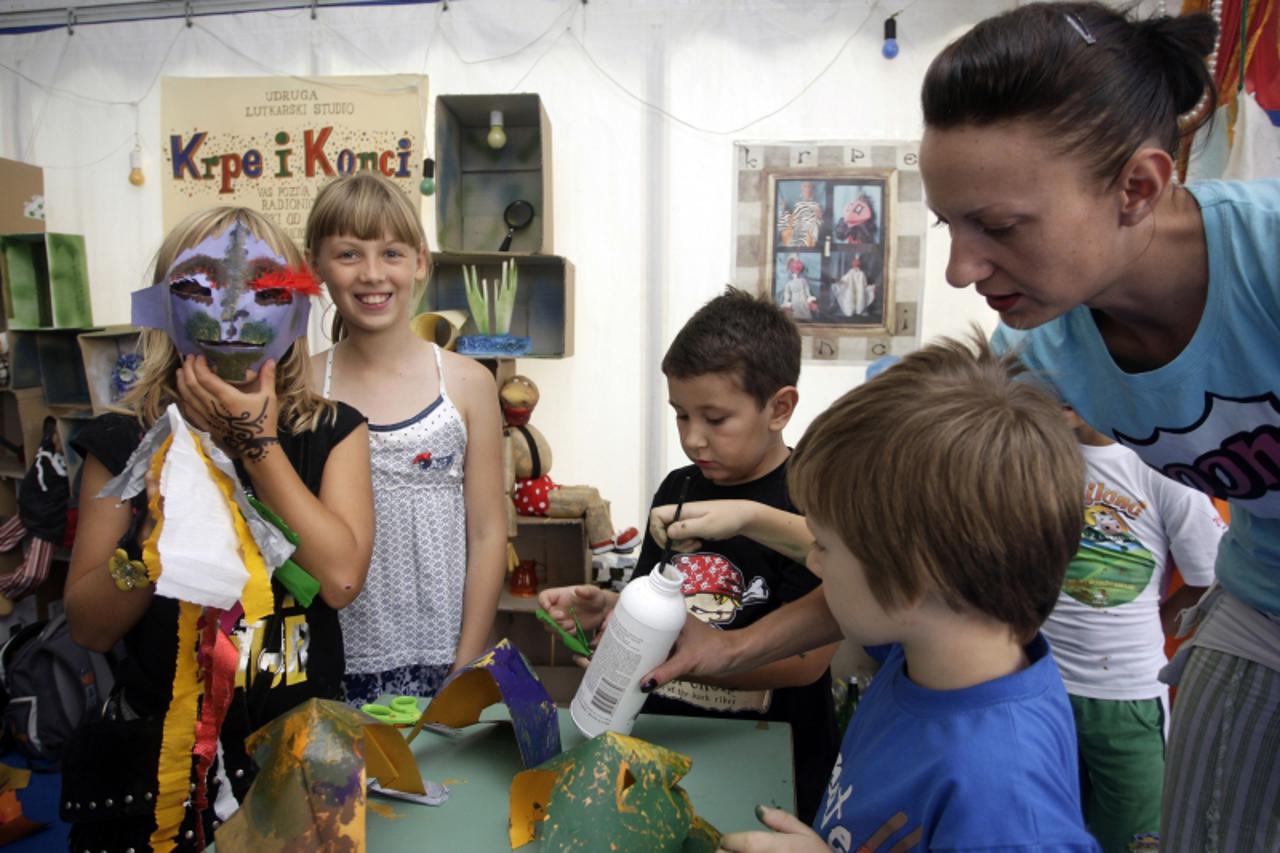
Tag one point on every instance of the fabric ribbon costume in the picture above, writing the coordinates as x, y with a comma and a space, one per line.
235, 301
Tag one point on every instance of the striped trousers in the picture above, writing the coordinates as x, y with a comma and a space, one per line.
33, 569
1222, 771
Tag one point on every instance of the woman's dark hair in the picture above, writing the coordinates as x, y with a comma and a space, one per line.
1096, 81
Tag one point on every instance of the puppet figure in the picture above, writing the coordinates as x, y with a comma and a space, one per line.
853, 293
536, 494
800, 225
797, 300
857, 222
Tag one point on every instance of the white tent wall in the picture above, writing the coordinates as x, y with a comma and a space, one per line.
643, 203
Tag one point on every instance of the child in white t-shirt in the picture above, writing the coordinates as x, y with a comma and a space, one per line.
1107, 630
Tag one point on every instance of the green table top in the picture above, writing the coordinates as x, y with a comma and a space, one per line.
736, 764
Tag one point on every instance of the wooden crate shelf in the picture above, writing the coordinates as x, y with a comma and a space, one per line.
46, 281
100, 351
544, 301
475, 183
559, 547
24, 413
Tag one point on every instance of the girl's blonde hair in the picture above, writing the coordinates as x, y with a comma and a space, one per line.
367, 206
300, 408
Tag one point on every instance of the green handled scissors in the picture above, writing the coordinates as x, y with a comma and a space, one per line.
400, 711
579, 644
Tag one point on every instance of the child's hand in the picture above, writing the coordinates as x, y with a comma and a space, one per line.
590, 604
700, 520
241, 418
789, 835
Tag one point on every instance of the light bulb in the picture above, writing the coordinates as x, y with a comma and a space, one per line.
890, 47
135, 167
497, 136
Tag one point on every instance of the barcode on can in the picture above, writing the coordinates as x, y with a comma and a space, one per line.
606, 696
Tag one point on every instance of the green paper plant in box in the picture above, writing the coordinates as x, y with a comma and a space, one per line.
491, 308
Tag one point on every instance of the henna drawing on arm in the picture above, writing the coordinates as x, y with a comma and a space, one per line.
242, 434
257, 448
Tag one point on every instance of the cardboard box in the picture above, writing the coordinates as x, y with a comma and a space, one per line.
101, 351
46, 281
62, 370
476, 183
11, 464
544, 299
32, 410
21, 198
24, 360
559, 547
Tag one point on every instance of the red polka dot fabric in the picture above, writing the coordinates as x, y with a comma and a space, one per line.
531, 495
709, 573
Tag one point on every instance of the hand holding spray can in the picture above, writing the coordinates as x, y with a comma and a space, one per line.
641, 631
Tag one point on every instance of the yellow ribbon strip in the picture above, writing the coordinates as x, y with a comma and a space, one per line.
150, 552
174, 771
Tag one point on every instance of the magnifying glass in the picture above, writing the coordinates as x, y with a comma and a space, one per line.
518, 215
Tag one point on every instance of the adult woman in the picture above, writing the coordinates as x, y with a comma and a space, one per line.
1048, 153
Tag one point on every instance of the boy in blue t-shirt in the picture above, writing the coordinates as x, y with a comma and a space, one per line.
944, 503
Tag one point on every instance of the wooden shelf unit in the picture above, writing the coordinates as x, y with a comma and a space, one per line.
559, 547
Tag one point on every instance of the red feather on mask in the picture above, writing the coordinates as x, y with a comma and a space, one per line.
295, 280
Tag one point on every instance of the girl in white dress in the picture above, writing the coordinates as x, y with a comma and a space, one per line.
439, 553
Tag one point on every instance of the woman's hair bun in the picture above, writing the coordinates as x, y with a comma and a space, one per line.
1181, 45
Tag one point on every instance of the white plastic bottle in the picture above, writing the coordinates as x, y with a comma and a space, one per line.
643, 628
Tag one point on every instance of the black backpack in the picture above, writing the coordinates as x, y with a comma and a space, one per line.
52, 684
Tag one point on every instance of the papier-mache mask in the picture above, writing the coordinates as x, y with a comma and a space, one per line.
612, 792
502, 674
230, 298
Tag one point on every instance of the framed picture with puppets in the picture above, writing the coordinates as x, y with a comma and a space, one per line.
833, 234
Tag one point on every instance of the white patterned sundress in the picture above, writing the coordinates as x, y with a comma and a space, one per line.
401, 632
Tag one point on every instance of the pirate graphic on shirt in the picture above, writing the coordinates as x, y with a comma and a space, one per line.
713, 588
715, 592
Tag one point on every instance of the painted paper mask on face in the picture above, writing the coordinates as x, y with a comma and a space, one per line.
232, 299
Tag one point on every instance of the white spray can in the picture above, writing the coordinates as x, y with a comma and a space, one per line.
643, 628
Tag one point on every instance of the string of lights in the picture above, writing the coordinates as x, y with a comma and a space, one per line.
438, 23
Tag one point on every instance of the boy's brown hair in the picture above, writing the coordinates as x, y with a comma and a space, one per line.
738, 334
948, 473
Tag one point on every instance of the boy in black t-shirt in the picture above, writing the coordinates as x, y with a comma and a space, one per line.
731, 375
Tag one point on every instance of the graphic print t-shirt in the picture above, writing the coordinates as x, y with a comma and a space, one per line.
988, 767
730, 584
1105, 630
293, 655
1210, 418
